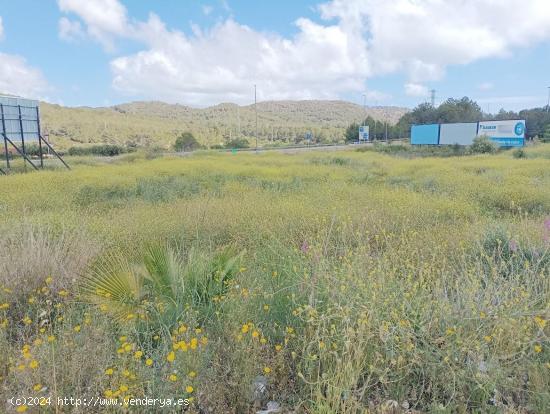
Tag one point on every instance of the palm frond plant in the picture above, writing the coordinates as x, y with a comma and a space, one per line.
210, 276
160, 290
115, 286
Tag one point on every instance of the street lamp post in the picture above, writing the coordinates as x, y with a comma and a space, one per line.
256, 111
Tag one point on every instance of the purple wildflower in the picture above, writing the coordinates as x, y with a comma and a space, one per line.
547, 224
513, 246
304, 247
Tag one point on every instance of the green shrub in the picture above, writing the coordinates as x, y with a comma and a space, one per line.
104, 150
409, 151
519, 153
186, 142
238, 143
483, 145
33, 150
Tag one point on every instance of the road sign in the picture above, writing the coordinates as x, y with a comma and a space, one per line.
364, 133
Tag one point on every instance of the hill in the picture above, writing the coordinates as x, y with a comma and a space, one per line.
157, 123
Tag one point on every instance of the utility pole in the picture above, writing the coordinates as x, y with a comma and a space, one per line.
386, 124
238, 122
256, 111
365, 111
433, 97
548, 103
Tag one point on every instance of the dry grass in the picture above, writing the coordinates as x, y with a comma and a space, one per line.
367, 283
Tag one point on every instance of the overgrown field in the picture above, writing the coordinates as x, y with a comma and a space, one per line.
339, 282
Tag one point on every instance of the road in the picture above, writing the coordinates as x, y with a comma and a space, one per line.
292, 150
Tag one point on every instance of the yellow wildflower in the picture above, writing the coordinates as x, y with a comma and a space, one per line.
540, 322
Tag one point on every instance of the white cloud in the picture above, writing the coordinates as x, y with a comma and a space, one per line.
375, 96
485, 86
207, 10
357, 39
70, 30
105, 19
416, 90
18, 78
223, 63
422, 37
515, 103
225, 5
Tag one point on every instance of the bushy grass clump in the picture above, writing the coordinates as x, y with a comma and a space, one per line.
341, 283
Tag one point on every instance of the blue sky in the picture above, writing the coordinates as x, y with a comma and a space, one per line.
104, 52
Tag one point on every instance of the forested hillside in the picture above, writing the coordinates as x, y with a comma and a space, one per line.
157, 123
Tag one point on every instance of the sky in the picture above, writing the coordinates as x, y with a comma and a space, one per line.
201, 53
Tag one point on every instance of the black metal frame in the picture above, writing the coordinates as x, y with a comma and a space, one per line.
21, 150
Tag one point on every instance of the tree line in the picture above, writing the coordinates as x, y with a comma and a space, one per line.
450, 111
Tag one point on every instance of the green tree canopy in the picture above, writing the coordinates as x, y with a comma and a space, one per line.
452, 110
352, 132
238, 143
186, 142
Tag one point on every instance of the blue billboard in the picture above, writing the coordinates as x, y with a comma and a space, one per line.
510, 133
425, 134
